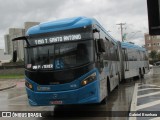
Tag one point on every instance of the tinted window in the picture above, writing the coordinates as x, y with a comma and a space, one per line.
59, 56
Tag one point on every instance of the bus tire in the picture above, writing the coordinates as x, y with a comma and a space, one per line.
108, 87
104, 101
141, 75
144, 71
119, 79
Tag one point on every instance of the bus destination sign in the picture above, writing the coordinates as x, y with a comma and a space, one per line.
57, 39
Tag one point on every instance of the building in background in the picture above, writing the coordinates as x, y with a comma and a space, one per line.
152, 43
4, 58
7, 42
27, 25
19, 45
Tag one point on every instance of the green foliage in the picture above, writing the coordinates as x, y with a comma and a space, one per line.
11, 76
153, 55
158, 56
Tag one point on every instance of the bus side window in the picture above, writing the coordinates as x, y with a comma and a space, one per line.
146, 56
142, 56
107, 48
112, 51
124, 54
139, 55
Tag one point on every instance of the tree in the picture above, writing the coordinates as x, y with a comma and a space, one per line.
158, 55
153, 55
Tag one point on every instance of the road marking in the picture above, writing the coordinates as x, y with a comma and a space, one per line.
146, 85
150, 94
148, 100
134, 99
148, 104
148, 89
157, 118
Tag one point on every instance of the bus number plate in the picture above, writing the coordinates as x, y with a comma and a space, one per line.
56, 102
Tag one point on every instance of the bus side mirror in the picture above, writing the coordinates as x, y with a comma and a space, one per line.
101, 46
14, 56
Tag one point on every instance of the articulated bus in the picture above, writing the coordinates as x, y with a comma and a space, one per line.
135, 61
75, 61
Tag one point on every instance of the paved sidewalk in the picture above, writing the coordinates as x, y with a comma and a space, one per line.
8, 83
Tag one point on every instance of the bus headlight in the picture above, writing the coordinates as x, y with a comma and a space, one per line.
89, 79
29, 85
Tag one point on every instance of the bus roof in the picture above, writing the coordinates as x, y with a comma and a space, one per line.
130, 45
62, 24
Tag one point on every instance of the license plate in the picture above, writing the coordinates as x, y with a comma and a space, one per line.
56, 102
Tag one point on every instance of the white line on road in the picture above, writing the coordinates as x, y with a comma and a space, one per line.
148, 104
148, 94
157, 118
147, 85
148, 89
134, 98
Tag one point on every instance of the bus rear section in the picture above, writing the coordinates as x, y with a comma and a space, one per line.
135, 60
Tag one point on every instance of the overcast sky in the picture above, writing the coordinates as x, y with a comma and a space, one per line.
13, 14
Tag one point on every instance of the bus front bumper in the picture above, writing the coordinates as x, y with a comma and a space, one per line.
85, 95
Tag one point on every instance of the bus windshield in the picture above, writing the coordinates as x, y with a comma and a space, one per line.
59, 56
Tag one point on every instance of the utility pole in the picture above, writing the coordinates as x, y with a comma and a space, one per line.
121, 27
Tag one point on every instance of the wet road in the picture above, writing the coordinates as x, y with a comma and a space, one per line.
15, 99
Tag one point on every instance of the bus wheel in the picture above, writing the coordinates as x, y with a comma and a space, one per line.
119, 77
144, 71
104, 101
108, 87
141, 75
119, 80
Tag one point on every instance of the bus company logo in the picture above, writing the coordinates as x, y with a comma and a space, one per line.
55, 96
6, 114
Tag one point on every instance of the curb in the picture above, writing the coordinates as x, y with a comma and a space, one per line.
12, 86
